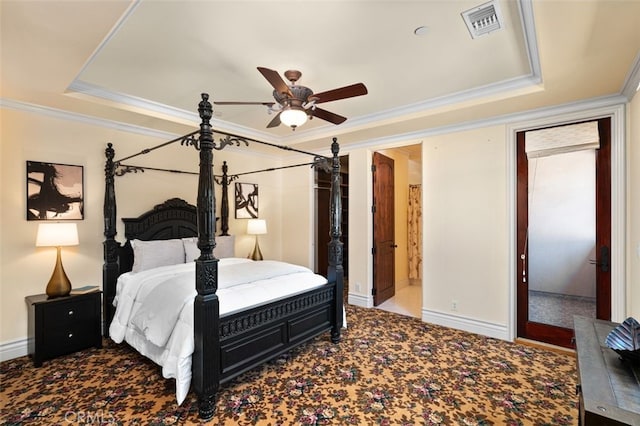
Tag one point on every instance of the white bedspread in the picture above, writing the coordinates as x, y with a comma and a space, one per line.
154, 308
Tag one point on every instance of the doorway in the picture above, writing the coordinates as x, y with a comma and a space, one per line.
407, 213
563, 229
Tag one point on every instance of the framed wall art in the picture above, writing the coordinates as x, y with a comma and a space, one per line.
246, 200
54, 191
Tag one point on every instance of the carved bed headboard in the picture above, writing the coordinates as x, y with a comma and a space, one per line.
175, 218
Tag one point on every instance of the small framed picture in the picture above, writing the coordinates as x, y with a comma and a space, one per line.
54, 191
246, 200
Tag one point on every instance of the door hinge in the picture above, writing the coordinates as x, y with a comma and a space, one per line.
373, 168
373, 291
373, 251
373, 209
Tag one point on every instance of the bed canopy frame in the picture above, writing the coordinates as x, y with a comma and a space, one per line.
224, 347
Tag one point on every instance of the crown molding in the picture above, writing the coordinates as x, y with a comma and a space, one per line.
82, 118
631, 83
525, 116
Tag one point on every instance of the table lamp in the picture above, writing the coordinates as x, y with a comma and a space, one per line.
57, 235
256, 227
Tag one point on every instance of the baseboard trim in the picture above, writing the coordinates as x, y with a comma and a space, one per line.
360, 300
15, 349
485, 328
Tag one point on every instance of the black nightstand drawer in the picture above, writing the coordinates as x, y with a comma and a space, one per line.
63, 325
70, 312
71, 338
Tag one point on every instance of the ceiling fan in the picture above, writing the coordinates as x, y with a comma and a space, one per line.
298, 103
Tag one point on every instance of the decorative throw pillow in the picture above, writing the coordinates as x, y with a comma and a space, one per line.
152, 254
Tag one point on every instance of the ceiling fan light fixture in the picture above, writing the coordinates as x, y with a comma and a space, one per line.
293, 116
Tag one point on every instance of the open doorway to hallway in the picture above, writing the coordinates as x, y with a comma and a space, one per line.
407, 299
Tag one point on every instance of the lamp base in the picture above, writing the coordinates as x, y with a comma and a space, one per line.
59, 284
256, 254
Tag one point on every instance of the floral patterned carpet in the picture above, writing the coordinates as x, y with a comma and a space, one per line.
389, 370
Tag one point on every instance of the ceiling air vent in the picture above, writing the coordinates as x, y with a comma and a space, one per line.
483, 19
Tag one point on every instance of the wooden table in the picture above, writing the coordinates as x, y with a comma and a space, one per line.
609, 388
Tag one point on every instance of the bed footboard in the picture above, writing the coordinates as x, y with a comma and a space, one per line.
250, 338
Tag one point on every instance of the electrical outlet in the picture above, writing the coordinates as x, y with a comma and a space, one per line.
454, 305
358, 286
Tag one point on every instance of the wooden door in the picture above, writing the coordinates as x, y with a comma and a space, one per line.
541, 330
383, 229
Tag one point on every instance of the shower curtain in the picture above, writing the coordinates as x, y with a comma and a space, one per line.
415, 232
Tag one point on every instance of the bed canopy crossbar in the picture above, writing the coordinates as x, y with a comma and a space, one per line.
209, 329
224, 180
226, 139
122, 169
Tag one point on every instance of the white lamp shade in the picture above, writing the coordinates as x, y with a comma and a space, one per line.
256, 226
293, 116
57, 234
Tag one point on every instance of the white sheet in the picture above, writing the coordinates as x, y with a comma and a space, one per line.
166, 336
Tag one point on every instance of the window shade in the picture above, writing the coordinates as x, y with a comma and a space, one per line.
558, 140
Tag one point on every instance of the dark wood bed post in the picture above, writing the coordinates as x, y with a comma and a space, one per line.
335, 271
110, 268
206, 368
224, 204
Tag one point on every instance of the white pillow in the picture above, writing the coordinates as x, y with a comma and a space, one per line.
225, 247
152, 254
191, 250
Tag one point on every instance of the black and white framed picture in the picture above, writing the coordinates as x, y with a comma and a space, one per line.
246, 200
54, 191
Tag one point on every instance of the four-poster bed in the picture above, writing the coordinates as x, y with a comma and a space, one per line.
228, 344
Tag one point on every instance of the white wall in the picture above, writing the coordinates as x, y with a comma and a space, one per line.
465, 226
297, 214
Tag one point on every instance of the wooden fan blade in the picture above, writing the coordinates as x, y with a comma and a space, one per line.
244, 103
354, 90
275, 122
328, 116
275, 80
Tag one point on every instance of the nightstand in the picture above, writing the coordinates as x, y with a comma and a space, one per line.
63, 325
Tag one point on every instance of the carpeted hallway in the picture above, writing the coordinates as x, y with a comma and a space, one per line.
388, 369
